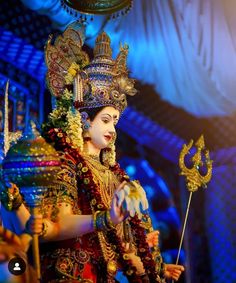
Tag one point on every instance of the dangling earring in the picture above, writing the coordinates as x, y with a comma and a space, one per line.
85, 125
86, 135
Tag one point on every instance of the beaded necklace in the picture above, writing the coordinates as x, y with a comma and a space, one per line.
106, 180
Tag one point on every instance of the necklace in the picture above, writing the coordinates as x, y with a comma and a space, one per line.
104, 178
94, 157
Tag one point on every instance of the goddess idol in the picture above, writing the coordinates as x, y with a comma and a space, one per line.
95, 220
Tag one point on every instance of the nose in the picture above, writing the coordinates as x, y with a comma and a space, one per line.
112, 130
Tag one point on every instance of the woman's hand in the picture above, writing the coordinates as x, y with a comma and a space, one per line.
128, 200
173, 271
34, 225
152, 239
117, 212
135, 198
135, 260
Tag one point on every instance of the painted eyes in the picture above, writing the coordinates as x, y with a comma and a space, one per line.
106, 121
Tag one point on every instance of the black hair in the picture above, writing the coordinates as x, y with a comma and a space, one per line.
92, 112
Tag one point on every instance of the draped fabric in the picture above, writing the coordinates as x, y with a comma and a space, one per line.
185, 49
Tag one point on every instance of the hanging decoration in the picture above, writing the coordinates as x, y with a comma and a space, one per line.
81, 8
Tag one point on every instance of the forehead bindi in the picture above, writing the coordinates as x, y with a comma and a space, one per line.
111, 114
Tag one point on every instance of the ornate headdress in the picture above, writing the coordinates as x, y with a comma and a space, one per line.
101, 82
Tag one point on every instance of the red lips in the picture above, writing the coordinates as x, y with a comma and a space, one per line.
108, 137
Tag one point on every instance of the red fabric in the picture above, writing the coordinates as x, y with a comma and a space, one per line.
49, 272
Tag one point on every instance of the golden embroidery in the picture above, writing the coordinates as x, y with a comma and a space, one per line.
64, 191
105, 179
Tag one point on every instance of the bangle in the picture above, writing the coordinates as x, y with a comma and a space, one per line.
17, 202
101, 221
44, 230
28, 231
95, 220
108, 220
11, 200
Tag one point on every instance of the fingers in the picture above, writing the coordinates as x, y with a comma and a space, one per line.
120, 193
175, 267
132, 208
131, 197
175, 275
136, 261
119, 205
139, 199
120, 196
136, 206
35, 224
131, 205
142, 194
152, 238
144, 202
120, 187
174, 271
155, 233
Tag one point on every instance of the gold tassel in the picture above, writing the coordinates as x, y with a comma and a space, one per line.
78, 89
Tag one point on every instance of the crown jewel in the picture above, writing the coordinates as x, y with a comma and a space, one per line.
102, 47
100, 82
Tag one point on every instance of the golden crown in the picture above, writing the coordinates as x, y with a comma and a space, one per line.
99, 82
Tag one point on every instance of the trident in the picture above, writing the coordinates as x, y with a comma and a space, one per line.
194, 179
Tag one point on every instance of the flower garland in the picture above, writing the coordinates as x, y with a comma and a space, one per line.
67, 119
74, 129
61, 143
72, 72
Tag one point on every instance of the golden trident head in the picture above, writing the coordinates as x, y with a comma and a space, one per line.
193, 176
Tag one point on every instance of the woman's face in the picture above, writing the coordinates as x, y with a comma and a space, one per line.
102, 128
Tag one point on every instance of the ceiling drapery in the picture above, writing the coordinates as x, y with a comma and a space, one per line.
186, 49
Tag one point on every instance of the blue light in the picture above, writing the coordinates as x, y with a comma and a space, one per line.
147, 168
149, 191
163, 186
22, 55
131, 170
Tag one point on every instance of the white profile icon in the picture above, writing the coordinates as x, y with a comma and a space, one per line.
17, 266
